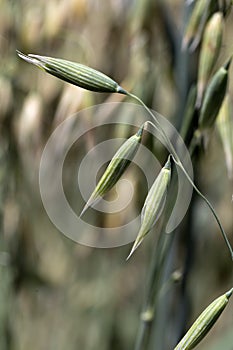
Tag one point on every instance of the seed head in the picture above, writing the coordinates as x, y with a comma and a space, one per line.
74, 73
194, 29
204, 323
210, 49
116, 168
154, 204
213, 97
190, 115
225, 128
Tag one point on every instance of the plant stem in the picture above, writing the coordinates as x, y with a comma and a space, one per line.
156, 271
211, 208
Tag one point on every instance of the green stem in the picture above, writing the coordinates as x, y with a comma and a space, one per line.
156, 124
210, 206
156, 271
178, 162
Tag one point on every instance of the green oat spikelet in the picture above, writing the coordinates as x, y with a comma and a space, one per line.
194, 29
154, 204
190, 115
225, 7
204, 323
74, 73
214, 97
116, 168
224, 123
194, 23
212, 40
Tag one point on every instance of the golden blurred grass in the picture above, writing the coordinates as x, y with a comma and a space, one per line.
55, 294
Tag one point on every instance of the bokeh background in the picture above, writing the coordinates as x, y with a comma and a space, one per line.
57, 294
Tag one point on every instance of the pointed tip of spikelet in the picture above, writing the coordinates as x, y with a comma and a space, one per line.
30, 58
228, 63
86, 206
94, 198
136, 244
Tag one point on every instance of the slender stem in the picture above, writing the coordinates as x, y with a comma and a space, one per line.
178, 162
156, 271
156, 125
210, 206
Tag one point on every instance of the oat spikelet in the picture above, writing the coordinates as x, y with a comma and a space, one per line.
74, 73
154, 204
204, 323
116, 168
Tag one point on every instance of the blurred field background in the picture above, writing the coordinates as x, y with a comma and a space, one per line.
54, 293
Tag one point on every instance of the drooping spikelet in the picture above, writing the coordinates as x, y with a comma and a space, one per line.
154, 204
210, 49
225, 128
214, 97
196, 24
116, 168
74, 73
204, 323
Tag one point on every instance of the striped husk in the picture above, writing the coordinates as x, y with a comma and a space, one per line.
214, 97
116, 168
74, 73
225, 128
204, 323
210, 49
154, 204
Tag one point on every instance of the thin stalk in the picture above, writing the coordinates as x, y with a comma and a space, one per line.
211, 208
178, 162
156, 269
156, 125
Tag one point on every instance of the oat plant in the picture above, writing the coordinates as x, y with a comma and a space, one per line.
205, 102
